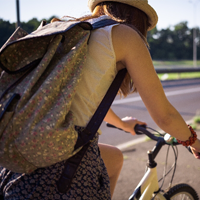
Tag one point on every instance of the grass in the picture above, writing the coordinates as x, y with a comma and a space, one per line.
197, 119
196, 122
181, 63
174, 76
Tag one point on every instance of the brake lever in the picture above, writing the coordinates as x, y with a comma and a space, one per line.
135, 128
112, 126
189, 149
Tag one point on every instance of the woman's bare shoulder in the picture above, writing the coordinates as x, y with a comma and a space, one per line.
125, 39
125, 32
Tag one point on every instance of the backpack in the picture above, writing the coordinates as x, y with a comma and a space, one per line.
39, 76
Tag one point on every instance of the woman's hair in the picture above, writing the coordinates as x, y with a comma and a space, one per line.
124, 14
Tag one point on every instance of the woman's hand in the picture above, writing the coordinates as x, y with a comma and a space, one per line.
195, 148
128, 124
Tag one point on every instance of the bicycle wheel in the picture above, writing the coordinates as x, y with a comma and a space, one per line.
182, 192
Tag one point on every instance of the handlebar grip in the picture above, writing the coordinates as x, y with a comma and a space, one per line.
138, 129
142, 129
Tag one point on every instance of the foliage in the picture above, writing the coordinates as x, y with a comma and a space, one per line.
197, 119
7, 28
196, 122
172, 43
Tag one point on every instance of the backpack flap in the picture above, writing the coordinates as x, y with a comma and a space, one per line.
16, 55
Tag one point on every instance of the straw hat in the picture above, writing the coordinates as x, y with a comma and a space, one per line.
140, 4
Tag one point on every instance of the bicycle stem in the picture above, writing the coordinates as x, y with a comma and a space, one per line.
153, 153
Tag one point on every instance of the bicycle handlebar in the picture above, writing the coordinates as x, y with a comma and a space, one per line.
142, 129
139, 130
168, 140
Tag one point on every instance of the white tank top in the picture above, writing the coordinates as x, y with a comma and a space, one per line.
98, 74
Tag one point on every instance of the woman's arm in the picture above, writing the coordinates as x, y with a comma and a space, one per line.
132, 53
127, 123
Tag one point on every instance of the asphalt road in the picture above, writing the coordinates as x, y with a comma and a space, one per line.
135, 159
184, 95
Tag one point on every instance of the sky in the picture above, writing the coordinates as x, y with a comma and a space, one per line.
170, 12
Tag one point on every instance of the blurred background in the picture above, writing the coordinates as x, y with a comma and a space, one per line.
176, 36
170, 12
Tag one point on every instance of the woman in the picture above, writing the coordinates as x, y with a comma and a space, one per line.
110, 49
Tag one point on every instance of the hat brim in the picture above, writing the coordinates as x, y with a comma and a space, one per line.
142, 5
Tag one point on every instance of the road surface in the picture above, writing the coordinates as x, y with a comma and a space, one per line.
184, 95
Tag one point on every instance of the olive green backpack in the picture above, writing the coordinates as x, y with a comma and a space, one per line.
39, 73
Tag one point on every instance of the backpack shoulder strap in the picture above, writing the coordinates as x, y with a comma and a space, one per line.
88, 133
96, 120
103, 23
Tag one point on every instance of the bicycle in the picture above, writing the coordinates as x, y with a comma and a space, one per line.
148, 188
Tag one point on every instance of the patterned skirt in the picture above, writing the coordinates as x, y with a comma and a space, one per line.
91, 181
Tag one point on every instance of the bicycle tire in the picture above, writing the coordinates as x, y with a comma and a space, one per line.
181, 191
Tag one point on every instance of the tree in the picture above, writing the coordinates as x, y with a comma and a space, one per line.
6, 30
172, 43
184, 41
